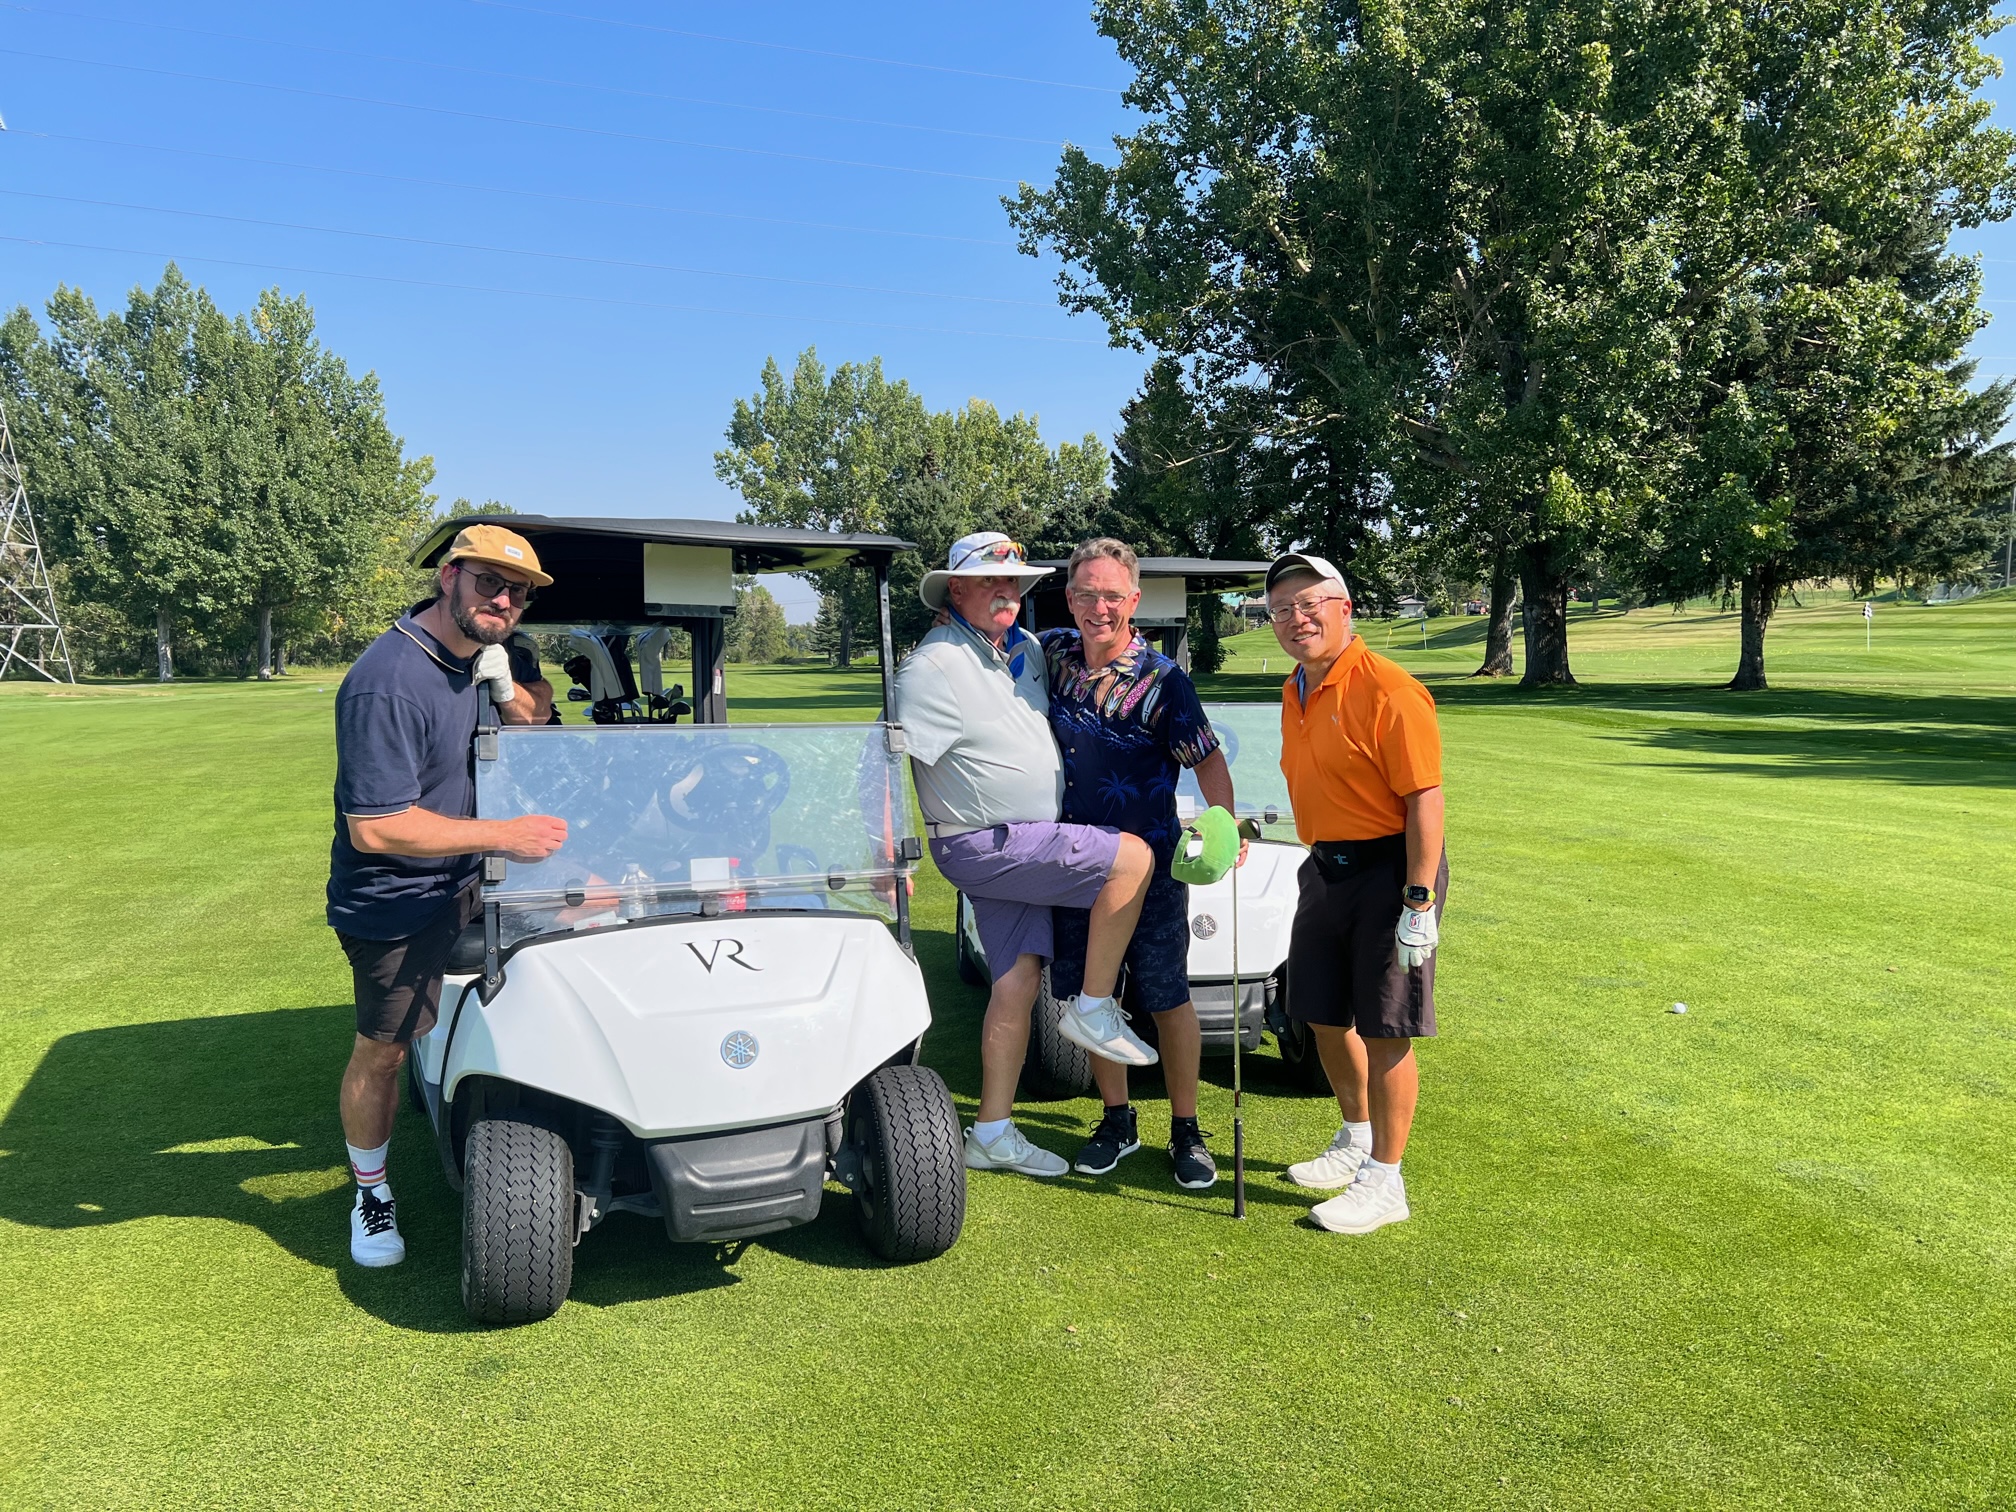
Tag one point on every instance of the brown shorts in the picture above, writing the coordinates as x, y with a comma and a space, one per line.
1342, 966
398, 982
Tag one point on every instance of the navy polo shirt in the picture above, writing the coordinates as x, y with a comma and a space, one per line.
1126, 731
405, 738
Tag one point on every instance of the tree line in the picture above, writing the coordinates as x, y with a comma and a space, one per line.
1525, 295
215, 485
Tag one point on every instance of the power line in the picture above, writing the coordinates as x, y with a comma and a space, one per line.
601, 299
814, 52
500, 120
492, 73
576, 257
542, 194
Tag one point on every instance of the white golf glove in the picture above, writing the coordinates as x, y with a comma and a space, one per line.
493, 665
1416, 937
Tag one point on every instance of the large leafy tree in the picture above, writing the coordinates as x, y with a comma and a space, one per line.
825, 453
1431, 239
855, 451
223, 475
1834, 432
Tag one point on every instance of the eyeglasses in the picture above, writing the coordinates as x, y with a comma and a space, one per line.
1308, 606
992, 552
1092, 599
489, 585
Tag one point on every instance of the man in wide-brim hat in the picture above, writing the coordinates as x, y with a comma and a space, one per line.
974, 706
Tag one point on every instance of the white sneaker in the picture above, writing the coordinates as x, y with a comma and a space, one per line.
1333, 1169
374, 1228
1372, 1201
1104, 1032
1012, 1152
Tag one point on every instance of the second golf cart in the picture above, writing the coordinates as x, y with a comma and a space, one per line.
705, 1004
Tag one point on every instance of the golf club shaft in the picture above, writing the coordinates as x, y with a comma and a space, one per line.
1238, 1034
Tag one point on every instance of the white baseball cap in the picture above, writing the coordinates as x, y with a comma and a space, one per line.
985, 553
1302, 561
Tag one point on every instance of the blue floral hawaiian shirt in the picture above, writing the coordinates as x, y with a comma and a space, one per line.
1125, 730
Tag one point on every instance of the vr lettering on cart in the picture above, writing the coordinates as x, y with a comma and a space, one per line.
734, 954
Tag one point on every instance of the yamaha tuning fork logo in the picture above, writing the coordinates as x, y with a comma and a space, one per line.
1204, 926
739, 1050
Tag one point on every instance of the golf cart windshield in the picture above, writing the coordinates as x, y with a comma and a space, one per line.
1250, 736
673, 819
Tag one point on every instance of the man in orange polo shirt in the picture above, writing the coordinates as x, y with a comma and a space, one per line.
1363, 759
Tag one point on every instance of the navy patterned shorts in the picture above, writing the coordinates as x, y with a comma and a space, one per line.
1158, 957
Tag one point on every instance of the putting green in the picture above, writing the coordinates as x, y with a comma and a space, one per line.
1757, 1254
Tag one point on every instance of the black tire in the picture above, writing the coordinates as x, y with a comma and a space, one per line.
1056, 1067
517, 1222
1300, 1060
911, 1194
413, 1092
971, 972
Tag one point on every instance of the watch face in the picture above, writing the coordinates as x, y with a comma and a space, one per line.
1417, 895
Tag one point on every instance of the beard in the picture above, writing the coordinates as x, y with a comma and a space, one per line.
477, 630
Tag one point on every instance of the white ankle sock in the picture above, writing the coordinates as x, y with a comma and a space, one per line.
1088, 1003
368, 1166
1361, 1135
991, 1130
1381, 1169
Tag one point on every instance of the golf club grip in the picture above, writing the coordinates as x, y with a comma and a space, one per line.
1238, 1168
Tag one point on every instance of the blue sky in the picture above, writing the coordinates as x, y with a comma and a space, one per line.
703, 186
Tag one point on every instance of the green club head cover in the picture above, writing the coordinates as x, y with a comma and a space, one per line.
1209, 846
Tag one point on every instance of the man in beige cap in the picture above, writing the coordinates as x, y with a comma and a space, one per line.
403, 865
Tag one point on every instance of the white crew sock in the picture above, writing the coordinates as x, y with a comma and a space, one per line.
991, 1130
1361, 1134
368, 1166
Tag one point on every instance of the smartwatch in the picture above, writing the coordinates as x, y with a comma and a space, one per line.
1417, 896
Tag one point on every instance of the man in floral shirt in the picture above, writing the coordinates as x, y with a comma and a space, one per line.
1127, 720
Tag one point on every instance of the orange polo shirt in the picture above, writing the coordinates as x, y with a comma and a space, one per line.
1364, 740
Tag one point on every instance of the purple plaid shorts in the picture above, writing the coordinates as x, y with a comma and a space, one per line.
1013, 873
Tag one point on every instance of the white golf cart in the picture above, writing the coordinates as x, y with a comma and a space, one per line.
1251, 734
696, 1009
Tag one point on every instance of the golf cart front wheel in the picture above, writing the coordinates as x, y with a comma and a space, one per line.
517, 1222
910, 1195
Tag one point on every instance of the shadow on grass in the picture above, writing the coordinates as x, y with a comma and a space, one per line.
234, 1118
1935, 739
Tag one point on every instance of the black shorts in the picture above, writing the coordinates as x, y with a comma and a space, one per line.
398, 982
1343, 969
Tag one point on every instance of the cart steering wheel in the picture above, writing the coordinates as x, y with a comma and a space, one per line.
730, 786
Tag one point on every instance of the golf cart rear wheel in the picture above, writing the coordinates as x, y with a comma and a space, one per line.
517, 1222
911, 1193
1299, 1058
1056, 1067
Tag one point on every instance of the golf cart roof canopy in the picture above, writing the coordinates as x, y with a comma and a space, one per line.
1201, 574
1166, 586
600, 565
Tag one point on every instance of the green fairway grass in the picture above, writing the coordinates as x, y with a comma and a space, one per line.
1757, 1255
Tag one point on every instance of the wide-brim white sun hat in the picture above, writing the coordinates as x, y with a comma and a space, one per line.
985, 553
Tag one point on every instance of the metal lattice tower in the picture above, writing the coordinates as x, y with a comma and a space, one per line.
31, 635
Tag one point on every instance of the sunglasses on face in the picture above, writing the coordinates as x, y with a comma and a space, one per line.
489, 585
1308, 606
993, 552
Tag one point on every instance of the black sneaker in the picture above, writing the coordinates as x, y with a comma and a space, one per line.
1117, 1137
1194, 1167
